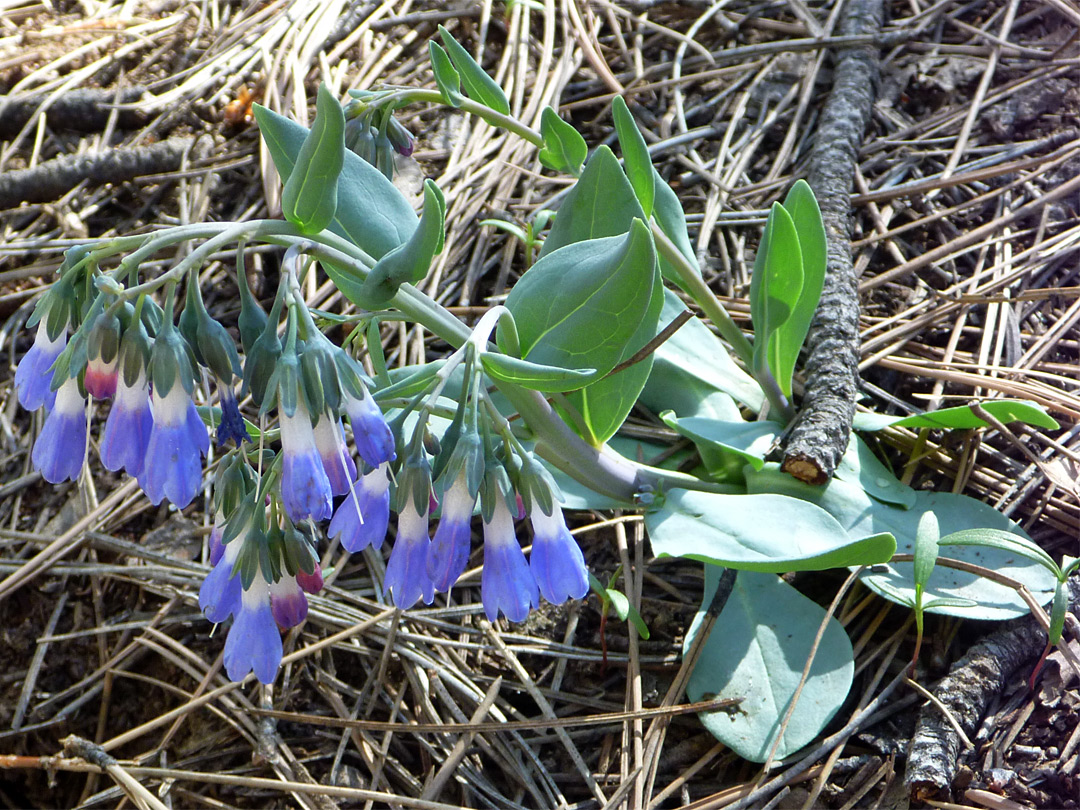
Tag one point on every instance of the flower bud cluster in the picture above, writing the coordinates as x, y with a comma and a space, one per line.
372, 132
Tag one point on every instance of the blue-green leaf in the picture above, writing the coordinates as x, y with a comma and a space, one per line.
579, 306
926, 549
639, 168
756, 653
506, 368
669, 215
860, 466
755, 533
962, 417
371, 213
564, 149
806, 215
1007, 541
775, 287
733, 443
447, 79
478, 84
309, 198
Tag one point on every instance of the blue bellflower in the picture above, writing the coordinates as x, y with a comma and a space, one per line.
127, 429
406, 571
288, 603
336, 459
61, 446
449, 551
33, 376
363, 517
305, 489
373, 437
557, 564
219, 596
172, 468
254, 641
232, 423
507, 584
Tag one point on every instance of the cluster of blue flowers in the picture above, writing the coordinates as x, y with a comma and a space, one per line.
262, 547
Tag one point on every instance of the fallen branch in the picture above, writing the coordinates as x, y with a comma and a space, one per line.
966, 691
82, 109
822, 430
54, 178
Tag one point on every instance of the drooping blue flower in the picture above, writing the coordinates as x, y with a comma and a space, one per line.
507, 584
305, 489
406, 571
373, 437
232, 423
254, 642
449, 551
219, 596
127, 430
287, 601
173, 468
363, 517
61, 446
33, 377
336, 459
556, 560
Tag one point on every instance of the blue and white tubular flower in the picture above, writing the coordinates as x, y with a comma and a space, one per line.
448, 553
363, 517
232, 424
61, 446
33, 376
219, 596
373, 438
127, 429
178, 438
336, 459
288, 603
507, 584
406, 571
557, 564
305, 489
254, 642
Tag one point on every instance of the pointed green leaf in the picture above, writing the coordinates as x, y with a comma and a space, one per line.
505, 368
309, 199
639, 168
564, 149
756, 653
669, 215
775, 288
962, 417
1002, 540
801, 204
478, 84
1057, 612
447, 79
926, 549
755, 533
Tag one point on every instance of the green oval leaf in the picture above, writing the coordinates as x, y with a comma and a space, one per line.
639, 168
447, 79
309, 199
860, 466
479, 86
962, 417
801, 204
756, 652
564, 149
536, 376
755, 533
748, 442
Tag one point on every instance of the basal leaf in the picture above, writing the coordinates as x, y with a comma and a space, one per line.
757, 533
478, 84
775, 288
860, 466
803, 208
447, 79
756, 653
579, 306
371, 213
564, 149
639, 168
668, 214
601, 203
962, 417
538, 377
734, 443
309, 198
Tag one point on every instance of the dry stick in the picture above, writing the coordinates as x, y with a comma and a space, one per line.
821, 432
54, 178
969, 687
82, 109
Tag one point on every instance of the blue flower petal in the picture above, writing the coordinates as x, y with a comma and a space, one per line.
556, 561
507, 584
254, 643
406, 570
61, 446
33, 379
232, 423
126, 437
305, 489
373, 438
374, 508
219, 596
449, 552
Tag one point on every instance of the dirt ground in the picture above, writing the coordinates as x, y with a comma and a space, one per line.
967, 245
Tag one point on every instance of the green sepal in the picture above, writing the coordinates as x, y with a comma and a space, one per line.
447, 79
478, 84
410, 261
309, 198
103, 342
414, 483
636, 159
252, 320
284, 386
564, 149
318, 370
263, 356
134, 357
